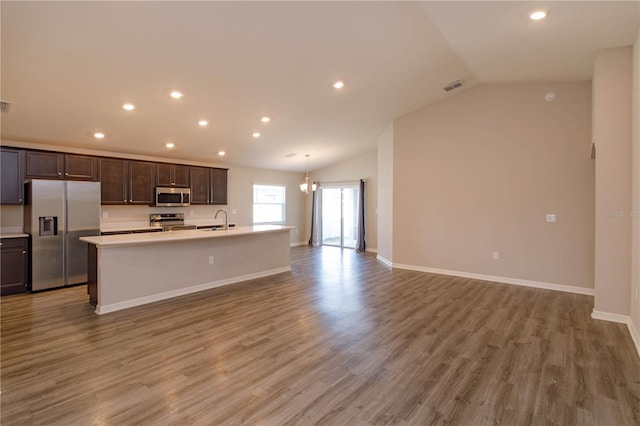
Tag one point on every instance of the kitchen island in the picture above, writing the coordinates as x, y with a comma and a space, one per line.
134, 269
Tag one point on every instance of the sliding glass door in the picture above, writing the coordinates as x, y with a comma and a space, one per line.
338, 219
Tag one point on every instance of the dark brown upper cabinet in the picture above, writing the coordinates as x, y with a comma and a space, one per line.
57, 165
172, 175
218, 186
42, 164
141, 182
80, 167
114, 180
200, 185
12, 178
126, 181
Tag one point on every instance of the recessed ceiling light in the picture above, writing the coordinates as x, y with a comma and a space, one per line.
221, 153
537, 15
129, 107
170, 145
256, 135
338, 84
265, 119
176, 95
202, 123
98, 135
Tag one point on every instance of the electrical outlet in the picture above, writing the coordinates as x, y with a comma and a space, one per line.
210, 260
551, 218
105, 215
496, 255
234, 211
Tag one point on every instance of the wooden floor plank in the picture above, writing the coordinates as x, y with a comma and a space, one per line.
340, 339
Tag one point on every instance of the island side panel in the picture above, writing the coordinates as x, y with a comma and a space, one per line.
92, 274
131, 275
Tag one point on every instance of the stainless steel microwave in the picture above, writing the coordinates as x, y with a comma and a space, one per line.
172, 197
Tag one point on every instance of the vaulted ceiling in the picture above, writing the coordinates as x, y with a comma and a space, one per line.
68, 67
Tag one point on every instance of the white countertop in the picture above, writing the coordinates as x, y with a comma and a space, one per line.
141, 226
14, 235
161, 237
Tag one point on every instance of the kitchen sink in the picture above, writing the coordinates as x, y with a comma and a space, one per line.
231, 228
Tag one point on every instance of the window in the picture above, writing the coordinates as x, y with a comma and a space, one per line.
269, 203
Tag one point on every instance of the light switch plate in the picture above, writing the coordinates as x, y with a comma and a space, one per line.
551, 218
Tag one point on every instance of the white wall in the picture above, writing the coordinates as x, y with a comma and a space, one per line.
477, 173
352, 170
240, 194
385, 195
612, 81
635, 253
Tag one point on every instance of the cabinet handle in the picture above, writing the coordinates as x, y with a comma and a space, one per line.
59, 173
124, 201
24, 252
19, 199
0, 244
66, 174
131, 201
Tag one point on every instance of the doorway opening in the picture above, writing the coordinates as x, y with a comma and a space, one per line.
339, 215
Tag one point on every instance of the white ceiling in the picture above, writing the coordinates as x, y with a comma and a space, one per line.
67, 67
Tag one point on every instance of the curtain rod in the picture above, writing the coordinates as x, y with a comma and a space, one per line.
350, 182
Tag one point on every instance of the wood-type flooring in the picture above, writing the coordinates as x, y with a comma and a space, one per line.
340, 339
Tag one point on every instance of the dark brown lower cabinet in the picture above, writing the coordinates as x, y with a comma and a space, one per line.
13, 266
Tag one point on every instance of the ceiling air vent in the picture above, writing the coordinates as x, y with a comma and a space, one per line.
449, 87
4, 106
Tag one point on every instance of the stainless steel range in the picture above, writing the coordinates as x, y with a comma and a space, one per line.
169, 221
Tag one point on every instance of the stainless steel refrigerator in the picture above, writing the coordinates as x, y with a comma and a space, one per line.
56, 214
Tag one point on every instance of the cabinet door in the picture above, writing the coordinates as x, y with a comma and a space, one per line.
12, 178
142, 176
46, 165
172, 175
81, 167
181, 175
114, 179
218, 186
13, 268
200, 185
164, 174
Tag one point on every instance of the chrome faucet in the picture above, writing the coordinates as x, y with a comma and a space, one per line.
226, 218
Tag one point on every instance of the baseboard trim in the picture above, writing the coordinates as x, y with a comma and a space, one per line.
635, 335
621, 319
606, 316
385, 262
371, 250
497, 279
105, 309
298, 244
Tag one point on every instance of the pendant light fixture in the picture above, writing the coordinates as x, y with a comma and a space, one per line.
304, 187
